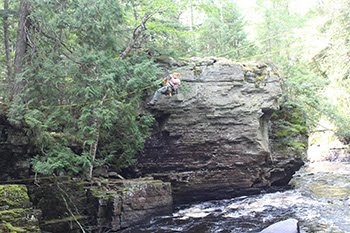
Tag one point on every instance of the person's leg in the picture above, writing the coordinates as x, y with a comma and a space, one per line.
156, 96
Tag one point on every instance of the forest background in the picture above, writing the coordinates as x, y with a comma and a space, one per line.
74, 73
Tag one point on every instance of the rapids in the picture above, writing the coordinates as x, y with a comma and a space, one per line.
317, 201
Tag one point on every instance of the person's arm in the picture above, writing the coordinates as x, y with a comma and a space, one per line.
164, 83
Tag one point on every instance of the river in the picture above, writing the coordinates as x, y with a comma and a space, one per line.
317, 201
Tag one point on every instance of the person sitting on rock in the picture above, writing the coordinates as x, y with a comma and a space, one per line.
170, 86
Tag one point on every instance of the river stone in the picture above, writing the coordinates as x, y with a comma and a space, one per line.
213, 141
286, 226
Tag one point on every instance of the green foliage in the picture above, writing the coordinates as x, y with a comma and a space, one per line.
289, 129
167, 37
78, 93
223, 30
301, 87
7, 13
306, 90
62, 160
332, 61
278, 28
306, 85
131, 132
164, 34
12, 22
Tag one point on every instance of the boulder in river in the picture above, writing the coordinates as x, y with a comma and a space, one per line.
286, 226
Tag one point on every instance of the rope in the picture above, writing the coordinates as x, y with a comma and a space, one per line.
150, 86
68, 178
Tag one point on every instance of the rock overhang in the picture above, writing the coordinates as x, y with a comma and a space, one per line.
215, 132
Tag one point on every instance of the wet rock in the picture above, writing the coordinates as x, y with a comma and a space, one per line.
213, 141
287, 226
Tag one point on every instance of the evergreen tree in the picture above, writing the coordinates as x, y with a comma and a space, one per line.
281, 44
223, 30
8, 13
163, 34
77, 90
332, 61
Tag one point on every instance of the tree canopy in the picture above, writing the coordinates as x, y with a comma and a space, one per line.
71, 70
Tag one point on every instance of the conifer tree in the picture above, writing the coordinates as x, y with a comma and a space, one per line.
77, 90
223, 30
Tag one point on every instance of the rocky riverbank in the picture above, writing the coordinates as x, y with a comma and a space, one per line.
59, 204
211, 141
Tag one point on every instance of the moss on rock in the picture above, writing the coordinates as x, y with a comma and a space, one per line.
8, 227
16, 212
14, 196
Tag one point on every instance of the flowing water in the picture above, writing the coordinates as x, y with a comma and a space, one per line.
318, 202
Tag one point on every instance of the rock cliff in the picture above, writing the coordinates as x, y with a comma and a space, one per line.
213, 140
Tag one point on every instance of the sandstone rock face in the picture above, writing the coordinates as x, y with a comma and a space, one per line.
104, 205
213, 141
128, 203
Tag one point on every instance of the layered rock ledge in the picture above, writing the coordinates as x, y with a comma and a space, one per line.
213, 141
129, 203
105, 205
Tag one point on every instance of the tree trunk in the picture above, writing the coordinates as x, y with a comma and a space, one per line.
93, 147
7, 50
21, 46
16, 111
137, 33
96, 137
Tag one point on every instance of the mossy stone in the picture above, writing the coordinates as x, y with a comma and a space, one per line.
14, 196
16, 211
